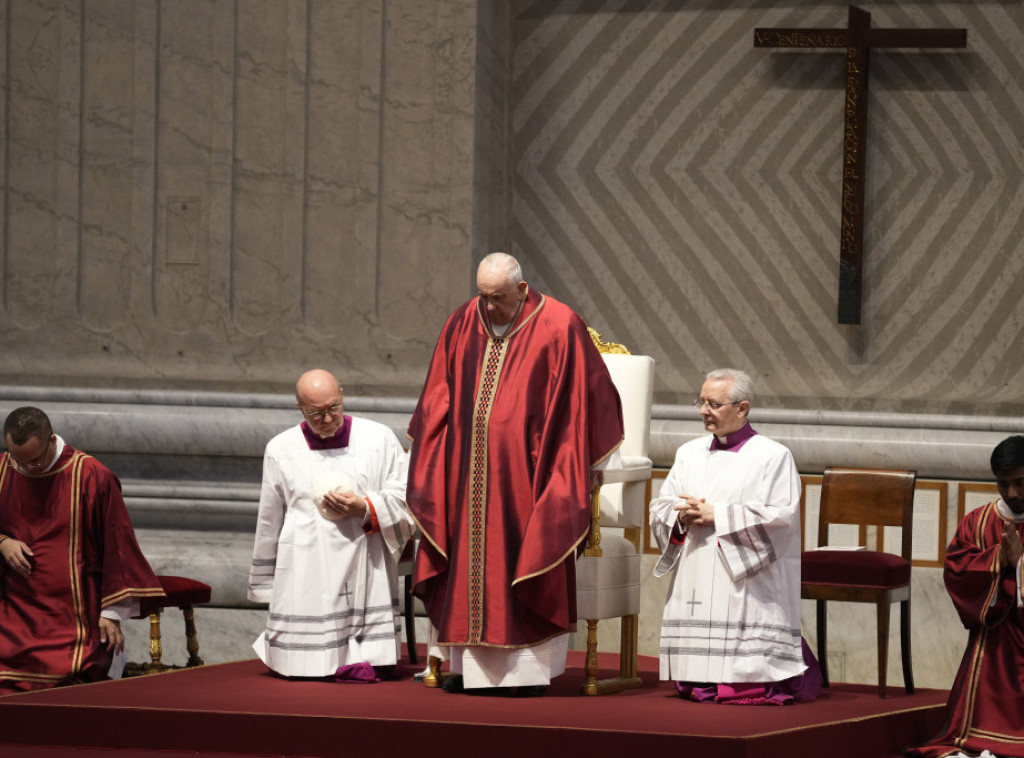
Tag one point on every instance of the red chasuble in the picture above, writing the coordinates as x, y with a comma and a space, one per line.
86, 558
504, 437
986, 704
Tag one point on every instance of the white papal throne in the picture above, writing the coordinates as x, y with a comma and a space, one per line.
608, 573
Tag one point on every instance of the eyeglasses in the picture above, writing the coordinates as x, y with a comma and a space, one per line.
36, 464
319, 413
699, 403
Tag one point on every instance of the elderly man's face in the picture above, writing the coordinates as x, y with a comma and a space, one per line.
727, 417
500, 297
1011, 488
323, 410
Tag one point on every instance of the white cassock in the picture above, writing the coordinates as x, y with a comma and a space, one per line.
500, 667
332, 588
733, 608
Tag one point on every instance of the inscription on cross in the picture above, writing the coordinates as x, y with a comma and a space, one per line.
858, 39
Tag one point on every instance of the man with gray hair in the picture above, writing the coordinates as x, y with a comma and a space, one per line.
728, 524
517, 414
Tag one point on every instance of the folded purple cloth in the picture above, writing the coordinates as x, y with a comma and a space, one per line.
799, 689
357, 673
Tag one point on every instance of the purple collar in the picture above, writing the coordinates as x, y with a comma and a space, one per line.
339, 440
736, 440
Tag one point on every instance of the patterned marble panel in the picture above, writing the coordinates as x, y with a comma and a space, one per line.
681, 188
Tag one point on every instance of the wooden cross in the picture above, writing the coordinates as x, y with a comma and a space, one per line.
858, 39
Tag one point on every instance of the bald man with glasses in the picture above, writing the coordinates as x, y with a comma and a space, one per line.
727, 522
332, 524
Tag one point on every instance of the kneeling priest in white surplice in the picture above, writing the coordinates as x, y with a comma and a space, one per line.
332, 524
727, 522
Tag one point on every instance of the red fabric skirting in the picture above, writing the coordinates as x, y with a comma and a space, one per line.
241, 708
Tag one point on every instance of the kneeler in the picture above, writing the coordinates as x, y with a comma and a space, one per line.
184, 593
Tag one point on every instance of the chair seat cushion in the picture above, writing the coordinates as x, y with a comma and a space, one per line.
863, 568
634, 468
181, 591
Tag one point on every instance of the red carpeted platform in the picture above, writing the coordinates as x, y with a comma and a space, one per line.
238, 708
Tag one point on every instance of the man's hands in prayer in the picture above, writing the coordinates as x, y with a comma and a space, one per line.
110, 635
695, 512
1011, 544
17, 555
345, 504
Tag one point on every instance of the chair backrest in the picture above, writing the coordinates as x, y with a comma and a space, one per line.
633, 375
868, 497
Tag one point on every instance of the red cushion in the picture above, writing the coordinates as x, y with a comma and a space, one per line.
864, 568
184, 591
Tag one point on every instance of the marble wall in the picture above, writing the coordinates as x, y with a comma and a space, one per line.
219, 193
215, 194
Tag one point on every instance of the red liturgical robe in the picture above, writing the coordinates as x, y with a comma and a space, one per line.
86, 558
986, 704
504, 438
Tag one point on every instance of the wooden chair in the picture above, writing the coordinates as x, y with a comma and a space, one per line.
864, 497
184, 593
608, 573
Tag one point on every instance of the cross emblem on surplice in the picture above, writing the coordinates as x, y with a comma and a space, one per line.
346, 593
858, 39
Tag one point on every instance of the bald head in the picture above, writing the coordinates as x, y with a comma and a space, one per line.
313, 385
318, 395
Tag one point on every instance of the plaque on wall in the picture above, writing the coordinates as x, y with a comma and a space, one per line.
653, 488
974, 495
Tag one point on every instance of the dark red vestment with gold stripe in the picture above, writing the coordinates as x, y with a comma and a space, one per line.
504, 437
986, 703
74, 520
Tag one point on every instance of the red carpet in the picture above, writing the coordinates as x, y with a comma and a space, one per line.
239, 709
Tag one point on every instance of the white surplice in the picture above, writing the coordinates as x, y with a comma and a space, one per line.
332, 588
733, 608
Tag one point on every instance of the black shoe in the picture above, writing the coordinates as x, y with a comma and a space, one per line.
453, 684
533, 690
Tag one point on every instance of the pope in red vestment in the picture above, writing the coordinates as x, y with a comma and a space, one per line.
84, 558
986, 704
505, 435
